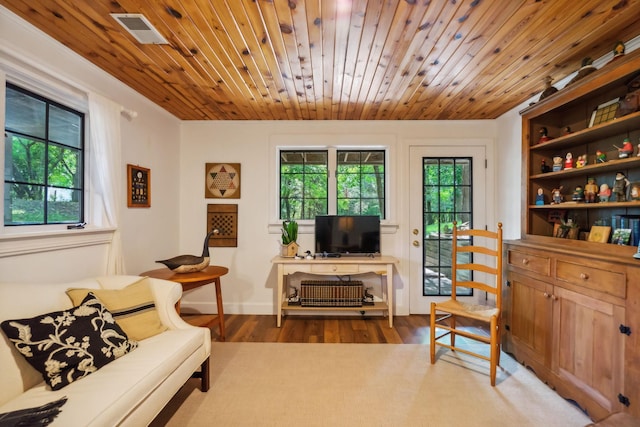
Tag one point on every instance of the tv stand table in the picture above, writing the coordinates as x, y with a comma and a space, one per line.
343, 266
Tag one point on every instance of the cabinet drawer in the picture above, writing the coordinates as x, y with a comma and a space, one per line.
334, 268
607, 281
531, 262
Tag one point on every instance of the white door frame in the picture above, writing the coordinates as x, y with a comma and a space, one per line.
483, 202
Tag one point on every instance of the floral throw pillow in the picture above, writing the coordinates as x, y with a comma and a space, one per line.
65, 346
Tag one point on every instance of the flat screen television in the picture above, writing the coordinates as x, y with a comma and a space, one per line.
347, 235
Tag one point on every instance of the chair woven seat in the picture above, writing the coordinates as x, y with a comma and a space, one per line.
472, 311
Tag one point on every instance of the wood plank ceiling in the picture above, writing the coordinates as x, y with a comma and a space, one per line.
339, 59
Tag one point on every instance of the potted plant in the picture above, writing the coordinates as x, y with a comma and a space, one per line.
289, 246
568, 229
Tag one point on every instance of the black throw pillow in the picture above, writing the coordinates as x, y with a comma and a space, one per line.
67, 345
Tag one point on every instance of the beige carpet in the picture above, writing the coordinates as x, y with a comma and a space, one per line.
270, 384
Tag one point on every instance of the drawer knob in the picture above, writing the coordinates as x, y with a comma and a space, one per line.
525, 261
334, 268
546, 295
584, 276
554, 298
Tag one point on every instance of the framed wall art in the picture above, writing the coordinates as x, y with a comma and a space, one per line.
138, 187
222, 181
224, 218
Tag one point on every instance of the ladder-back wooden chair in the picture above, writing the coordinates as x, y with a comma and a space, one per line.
467, 273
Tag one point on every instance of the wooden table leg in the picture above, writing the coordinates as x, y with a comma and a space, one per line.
220, 309
390, 293
279, 295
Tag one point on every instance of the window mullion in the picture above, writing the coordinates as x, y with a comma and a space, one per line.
45, 179
332, 183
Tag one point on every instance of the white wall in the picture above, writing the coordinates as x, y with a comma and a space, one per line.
248, 288
151, 140
509, 161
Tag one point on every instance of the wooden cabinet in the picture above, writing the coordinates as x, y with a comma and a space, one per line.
571, 306
568, 317
531, 324
588, 350
568, 118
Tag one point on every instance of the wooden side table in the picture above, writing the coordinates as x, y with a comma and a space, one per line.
194, 280
380, 265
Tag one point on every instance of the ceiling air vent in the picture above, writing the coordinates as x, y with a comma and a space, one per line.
140, 28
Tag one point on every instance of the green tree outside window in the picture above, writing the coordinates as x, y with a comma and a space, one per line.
43, 179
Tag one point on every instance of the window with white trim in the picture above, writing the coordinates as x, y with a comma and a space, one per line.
43, 160
331, 181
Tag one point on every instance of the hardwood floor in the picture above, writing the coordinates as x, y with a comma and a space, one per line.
412, 329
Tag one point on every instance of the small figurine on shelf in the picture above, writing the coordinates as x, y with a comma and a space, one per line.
605, 193
540, 197
543, 166
548, 88
544, 135
626, 150
618, 51
557, 163
620, 187
590, 190
568, 161
581, 161
578, 194
367, 298
601, 157
557, 195
586, 68
294, 297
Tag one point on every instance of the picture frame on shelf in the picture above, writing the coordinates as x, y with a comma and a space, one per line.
556, 216
138, 187
634, 191
599, 233
621, 236
604, 112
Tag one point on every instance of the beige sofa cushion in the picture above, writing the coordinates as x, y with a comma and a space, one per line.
133, 307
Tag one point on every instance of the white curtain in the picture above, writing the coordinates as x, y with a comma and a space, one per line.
106, 174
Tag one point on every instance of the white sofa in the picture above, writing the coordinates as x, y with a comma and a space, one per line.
131, 390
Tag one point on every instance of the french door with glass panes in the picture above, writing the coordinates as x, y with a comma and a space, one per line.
447, 184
